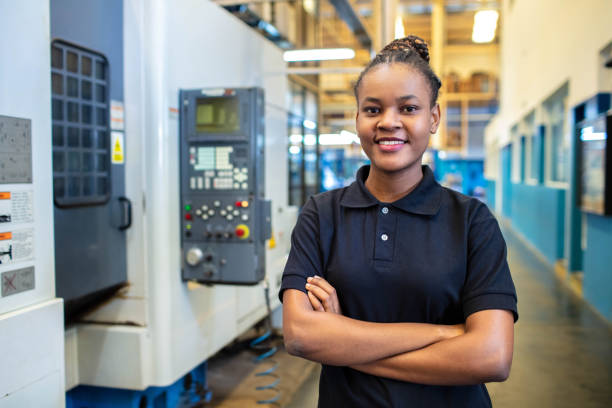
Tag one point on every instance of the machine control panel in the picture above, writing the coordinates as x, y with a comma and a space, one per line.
225, 219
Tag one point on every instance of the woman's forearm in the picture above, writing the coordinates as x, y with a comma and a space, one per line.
477, 356
334, 339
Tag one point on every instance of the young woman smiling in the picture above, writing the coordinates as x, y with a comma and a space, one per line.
398, 286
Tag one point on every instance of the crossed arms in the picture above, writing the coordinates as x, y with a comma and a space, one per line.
480, 351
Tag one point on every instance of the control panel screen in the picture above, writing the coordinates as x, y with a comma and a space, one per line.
217, 115
218, 168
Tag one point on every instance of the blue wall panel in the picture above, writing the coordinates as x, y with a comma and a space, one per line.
538, 214
597, 263
490, 193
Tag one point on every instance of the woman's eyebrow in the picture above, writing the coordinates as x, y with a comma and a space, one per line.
407, 97
371, 99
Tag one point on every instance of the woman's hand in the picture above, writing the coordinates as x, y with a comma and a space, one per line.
322, 295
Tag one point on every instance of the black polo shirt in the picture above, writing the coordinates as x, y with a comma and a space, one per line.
433, 256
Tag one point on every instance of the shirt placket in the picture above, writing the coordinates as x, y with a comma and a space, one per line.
385, 233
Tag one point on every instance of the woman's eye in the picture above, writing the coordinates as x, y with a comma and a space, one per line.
409, 108
371, 110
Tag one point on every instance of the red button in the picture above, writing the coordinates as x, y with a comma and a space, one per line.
188, 217
239, 232
238, 203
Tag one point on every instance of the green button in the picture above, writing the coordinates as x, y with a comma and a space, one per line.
187, 207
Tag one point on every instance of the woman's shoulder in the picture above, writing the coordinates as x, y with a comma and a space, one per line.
472, 208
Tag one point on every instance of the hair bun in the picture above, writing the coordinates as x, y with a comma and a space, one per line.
410, 43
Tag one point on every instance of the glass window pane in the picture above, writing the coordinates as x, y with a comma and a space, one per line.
74, 162
86, 114
102, 187
58, 187
72, 61
87, 162
58, 135
74, 186
57, 57
100, 93
58, 162
101, 162
102, 139
86, 138
100, 74
72, 85
73, 137
57, 84
73, 112
85, 66
86, 90
101, 118
88, 186
57, 107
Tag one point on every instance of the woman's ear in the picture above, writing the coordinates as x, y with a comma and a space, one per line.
435, 119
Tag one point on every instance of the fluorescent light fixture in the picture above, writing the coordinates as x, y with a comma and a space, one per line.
322, 54
310, 140
309, 124
588, 135
485, 23
336, 139
295, 139
294, 150
442, 154
400, 32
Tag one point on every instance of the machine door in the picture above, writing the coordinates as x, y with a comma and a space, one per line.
91, 213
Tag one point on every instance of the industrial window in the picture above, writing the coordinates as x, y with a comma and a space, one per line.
557, 140
80, 120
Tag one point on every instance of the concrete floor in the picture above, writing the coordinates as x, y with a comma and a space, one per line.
563, 349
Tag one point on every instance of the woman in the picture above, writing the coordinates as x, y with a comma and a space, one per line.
398, 286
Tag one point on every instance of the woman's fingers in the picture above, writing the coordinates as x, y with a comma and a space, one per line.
316, 305
330, 299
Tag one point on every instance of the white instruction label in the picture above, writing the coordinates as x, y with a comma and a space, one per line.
16, 207
16, 246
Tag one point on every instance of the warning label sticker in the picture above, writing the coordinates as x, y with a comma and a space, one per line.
17, 281
118, 150
16, 246
16, 207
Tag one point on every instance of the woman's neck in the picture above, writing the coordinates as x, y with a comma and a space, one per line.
390, 187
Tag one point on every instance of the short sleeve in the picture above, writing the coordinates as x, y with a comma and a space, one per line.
305, 255
488, 282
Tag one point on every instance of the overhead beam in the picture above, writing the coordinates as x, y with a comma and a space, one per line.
347, 14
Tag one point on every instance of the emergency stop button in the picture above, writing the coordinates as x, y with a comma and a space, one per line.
242, 231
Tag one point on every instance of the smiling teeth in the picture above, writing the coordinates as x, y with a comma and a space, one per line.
390, 142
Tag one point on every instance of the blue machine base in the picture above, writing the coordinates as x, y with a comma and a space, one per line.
185, 392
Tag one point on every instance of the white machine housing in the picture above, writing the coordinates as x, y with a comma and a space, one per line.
31, 321
160, 327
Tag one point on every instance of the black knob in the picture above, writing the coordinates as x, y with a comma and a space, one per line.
208, 258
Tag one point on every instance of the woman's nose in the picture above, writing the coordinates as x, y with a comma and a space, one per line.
389, 120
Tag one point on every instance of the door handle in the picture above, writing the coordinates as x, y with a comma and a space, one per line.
126, 212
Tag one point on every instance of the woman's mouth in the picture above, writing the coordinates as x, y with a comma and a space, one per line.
390, 145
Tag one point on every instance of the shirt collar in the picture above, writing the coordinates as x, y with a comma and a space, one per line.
425, 199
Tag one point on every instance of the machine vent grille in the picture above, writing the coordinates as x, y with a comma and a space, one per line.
80, 119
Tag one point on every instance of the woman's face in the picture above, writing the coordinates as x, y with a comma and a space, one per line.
394, 116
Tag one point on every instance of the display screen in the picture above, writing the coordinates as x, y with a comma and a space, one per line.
593, 140
217, 115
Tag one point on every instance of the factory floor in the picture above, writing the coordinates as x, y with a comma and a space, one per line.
562, 353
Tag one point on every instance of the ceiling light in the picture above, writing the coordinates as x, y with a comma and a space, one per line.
322, 54
343, 138
399, 27
309, 124
485, 24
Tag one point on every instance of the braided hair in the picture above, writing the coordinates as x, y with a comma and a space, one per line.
412, 51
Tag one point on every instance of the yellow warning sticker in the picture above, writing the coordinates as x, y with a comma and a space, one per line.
118, 150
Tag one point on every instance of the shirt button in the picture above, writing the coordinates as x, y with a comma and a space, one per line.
385, 210
384, 237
